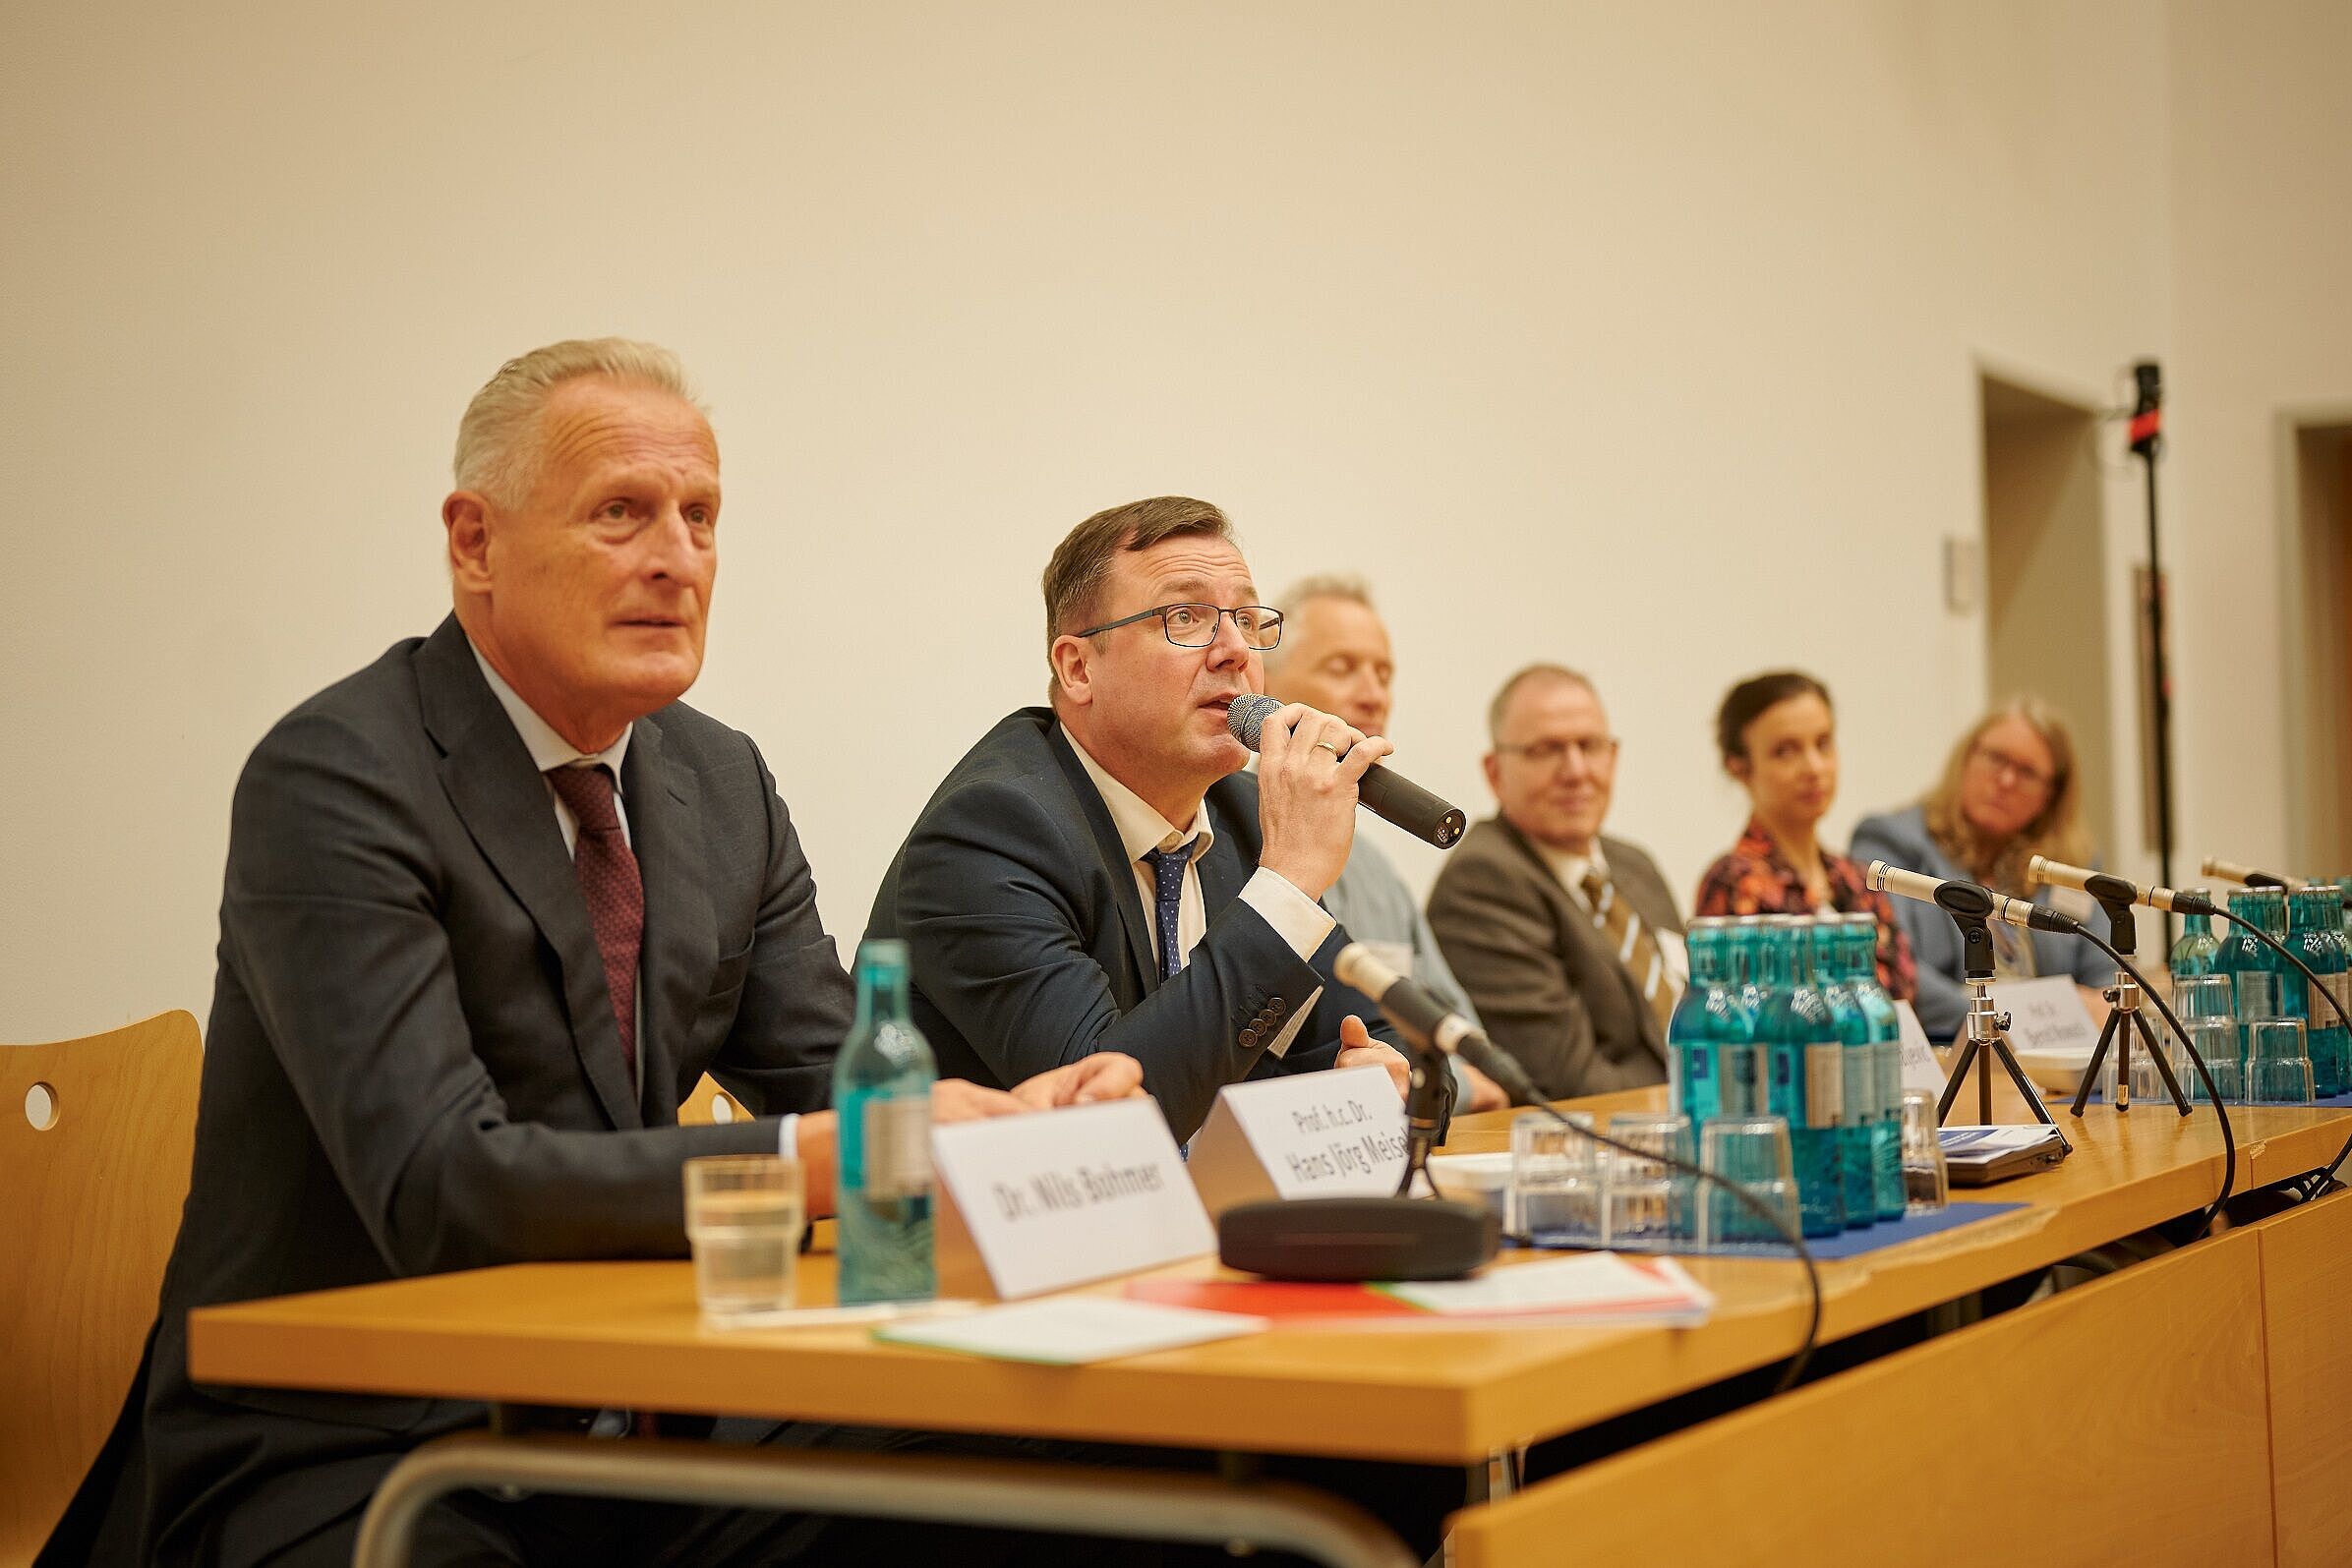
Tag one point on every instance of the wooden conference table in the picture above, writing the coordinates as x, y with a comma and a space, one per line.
2188, 1404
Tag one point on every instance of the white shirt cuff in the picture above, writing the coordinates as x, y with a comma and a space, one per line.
788, 1134
1296, 919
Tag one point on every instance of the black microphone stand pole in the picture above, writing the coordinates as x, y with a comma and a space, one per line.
1987, 1035
2124, 1015
2147, 437
1429, 1107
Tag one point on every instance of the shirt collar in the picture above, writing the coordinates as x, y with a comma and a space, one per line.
1141, 828
548, 749
1570, 868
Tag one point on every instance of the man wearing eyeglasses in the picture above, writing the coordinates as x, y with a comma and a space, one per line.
1101, 873
1568, 941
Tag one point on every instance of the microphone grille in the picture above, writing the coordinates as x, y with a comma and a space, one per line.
1247, 716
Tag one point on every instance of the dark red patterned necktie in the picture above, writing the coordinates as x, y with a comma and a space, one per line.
615, 895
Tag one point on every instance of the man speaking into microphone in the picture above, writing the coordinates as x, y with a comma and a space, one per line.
1101, 873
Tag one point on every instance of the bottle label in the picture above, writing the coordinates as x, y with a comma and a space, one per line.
898, 1147
2339, 986
1825, 1075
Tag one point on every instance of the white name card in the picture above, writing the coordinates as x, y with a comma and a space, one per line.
1919, 1067
1311, 1135
2046, 1015
1055, 1198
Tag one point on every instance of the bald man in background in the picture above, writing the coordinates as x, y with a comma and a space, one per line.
1334, 656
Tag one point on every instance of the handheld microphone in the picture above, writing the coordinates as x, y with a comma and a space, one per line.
1386, 795
2230, 871
1429, 1022
2113, 889
1966, 899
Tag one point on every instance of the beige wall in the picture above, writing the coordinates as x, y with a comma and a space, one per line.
2262, 196
1640, 337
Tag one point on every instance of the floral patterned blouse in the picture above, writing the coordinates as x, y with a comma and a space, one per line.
1753, 879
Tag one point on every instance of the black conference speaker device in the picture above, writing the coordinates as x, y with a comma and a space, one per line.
1354, 1239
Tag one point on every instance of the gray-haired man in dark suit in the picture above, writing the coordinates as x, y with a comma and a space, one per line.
492, 905
1568, 941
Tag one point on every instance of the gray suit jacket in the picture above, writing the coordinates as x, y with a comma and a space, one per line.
1527, 952
1031, 946
412, 1063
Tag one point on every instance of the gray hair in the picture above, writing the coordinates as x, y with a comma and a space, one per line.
496, 447
1323, 585
1546, 672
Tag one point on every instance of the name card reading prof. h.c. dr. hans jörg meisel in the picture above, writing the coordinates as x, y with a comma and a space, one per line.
1311, 1135
1056, 1198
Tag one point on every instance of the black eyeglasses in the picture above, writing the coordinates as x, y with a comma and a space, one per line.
1195, 625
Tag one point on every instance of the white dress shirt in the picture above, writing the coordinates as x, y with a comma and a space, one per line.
1297, 920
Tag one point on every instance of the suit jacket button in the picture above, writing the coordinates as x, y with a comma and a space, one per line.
1249, 1036
1277, 1007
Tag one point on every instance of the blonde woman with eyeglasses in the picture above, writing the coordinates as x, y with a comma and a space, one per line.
2010, 791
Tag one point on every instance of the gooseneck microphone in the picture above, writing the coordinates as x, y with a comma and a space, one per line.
1966, 899
1389, 795
2108, 888
1427, 1022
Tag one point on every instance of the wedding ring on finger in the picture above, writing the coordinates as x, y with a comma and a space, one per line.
1324, 746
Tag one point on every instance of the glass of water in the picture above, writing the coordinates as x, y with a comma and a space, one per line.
1751, 1152
1557, 1175
2277, 1062
2216, 1041
1926, 1179
744, 1213
1647, 1206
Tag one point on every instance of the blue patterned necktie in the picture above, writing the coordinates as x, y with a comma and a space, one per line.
1167, 887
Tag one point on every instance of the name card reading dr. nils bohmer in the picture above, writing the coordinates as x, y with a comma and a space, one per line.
1055, 1198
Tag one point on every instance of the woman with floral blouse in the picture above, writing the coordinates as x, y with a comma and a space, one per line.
1779, 738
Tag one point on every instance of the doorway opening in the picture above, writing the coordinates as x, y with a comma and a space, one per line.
2045, 577
2317, 624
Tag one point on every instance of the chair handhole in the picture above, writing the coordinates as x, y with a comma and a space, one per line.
41, 1107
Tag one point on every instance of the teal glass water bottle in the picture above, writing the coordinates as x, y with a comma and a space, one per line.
1858, 1097
2314, 934
882, 1097
1709, 1025
1743, 1071
2197, 952
1804, 1070
2253, 977
1886, 1045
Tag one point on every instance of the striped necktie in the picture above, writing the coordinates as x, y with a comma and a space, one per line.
1628, 935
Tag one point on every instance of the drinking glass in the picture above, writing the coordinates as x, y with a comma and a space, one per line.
1753, 1153
2277, 1065
1646, 1204
744, 1218
2216, 1040
1557, 1178
1926, 1184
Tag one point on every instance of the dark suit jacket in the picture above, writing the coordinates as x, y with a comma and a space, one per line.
412, 1063
1538, 971
1901, 838
1032, 948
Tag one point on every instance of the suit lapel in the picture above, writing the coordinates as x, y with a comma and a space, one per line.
487, 773
682, 939
1125, 895
1577, 921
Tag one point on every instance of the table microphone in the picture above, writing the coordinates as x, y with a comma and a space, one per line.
1388, 795
2108, 888
1966, 899
2230, 871
1425, 1020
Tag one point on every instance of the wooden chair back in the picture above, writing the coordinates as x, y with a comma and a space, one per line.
92, 1202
